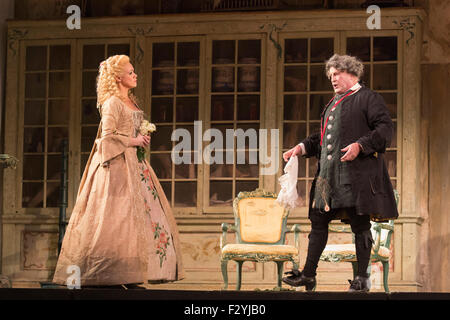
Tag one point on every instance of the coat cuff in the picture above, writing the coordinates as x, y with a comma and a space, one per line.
111, 146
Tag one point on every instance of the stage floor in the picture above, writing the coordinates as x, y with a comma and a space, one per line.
213, 295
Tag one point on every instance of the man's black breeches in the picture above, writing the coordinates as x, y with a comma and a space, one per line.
318, 237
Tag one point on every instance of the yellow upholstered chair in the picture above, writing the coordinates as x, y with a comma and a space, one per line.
260, 226
381, 252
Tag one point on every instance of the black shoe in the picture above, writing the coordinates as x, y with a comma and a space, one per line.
360, 284
297, 279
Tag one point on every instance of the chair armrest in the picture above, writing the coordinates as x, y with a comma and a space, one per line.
225, 228
377, 227
296, 229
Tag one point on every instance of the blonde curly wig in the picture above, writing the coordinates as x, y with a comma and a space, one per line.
106, 80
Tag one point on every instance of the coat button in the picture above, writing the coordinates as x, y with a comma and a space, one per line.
329, 126
329, 147
331, 118
328, 136
329, 157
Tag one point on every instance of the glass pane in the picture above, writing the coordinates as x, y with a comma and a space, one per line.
317, 104
359, 47
243, 186
249, 78
185, 194
58, 112
55, 138
321, 49
391, 102
248, 107
222, 79
162, 110
385, 77
90, 113
32, 193
314, 127
249, 51
222, 107
59, 84
34, 113
114, 49
223, 51
89, 84
188, 53
296, 51
162, 164
33, 167
384, 48
319, 80
36, 58
161, 139
187, 81
295, 107
187, 109
33, 140
221, 170
220, 193
293, 133
186, 171
391, 163
53, 194
301, 191
88, 135
365, 79
59, 57
167, 187
295, 78
247, 170
35, 85
163, 81
163, 54
54, 167
84, 159
93, 55
301, 167
394, 136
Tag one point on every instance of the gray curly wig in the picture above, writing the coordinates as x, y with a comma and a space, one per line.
345, 63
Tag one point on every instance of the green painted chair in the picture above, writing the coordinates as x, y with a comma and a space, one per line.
260, 226
381, 252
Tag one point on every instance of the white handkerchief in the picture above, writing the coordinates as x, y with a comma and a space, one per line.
288, 194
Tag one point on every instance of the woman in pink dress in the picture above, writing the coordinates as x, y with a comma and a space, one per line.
122, 230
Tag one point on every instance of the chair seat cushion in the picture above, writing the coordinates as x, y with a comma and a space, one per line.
259, 252
347, 252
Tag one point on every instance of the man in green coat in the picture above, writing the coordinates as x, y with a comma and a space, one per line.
352, 182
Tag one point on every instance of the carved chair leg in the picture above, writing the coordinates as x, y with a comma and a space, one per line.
280, 265
239, 274
385, 275
224, 265
355, 268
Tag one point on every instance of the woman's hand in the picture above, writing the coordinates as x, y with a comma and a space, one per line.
140, 141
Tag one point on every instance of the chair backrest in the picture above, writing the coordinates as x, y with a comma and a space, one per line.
259, 218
